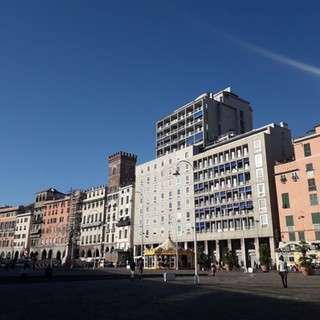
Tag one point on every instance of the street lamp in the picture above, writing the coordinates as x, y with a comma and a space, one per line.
177, 252
196, 276
56, 232
95, 248
141, 195
304, 226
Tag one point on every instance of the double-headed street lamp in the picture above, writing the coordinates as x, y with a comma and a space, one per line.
196, 276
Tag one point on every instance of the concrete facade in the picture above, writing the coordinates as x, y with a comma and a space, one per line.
203, 121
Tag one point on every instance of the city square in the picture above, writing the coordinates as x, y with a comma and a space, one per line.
108, 293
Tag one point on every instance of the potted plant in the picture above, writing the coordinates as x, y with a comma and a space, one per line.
264, 257
229, 258
305, 260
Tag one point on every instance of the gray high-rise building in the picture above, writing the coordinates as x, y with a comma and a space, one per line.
203, 121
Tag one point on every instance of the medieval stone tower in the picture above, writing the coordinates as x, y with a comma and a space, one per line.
122, 167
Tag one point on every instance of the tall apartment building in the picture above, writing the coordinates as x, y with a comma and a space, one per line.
226, 191
55, 225
37, 218
21, 242
203, 121
8, 219
297, 184
163, 208
93, 222
54, 234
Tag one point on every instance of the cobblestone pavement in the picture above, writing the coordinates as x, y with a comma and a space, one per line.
109, 294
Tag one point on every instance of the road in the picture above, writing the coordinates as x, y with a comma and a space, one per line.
109, 294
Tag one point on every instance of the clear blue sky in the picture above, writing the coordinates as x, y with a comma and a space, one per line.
81, 80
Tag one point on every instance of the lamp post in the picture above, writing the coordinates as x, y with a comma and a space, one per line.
177, 252
196, 276
141, 196
56, 232
95, 248
304, 227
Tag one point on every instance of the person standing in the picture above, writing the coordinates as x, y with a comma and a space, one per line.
132, 269
283, 271
140, 267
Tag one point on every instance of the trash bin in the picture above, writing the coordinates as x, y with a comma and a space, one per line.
169, 276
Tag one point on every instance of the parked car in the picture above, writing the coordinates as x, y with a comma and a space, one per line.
105, 263
5, 263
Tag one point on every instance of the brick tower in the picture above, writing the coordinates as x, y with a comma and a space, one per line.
122, 167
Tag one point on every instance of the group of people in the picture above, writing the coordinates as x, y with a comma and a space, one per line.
138, 265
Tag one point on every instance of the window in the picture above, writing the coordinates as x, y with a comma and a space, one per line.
264, 221
312, 184
285, 201
257, 146
309, 167
261, 191
301, 236
315, 217
258, 160
307, 150
313, 199
292, 236
317, 235
262, 205
289, 221
259, 174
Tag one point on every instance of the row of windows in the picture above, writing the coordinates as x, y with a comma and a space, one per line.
20, 228
7, 214
293, 236
92, 218
313, 200
315, 216
21, 220
94, 204
7, 225
19, 236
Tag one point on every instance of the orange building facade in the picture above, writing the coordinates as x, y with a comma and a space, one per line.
54, 237
297, 184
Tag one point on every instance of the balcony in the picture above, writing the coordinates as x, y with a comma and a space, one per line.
124, 222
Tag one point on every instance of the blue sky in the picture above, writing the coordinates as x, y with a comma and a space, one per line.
81, 80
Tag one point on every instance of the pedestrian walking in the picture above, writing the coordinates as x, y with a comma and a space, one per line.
24, 271
283, 271
140, 267
213, 268
132, 269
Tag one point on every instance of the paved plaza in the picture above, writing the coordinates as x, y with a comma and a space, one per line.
109, 294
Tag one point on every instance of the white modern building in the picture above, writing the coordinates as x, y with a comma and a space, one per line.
226, 191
